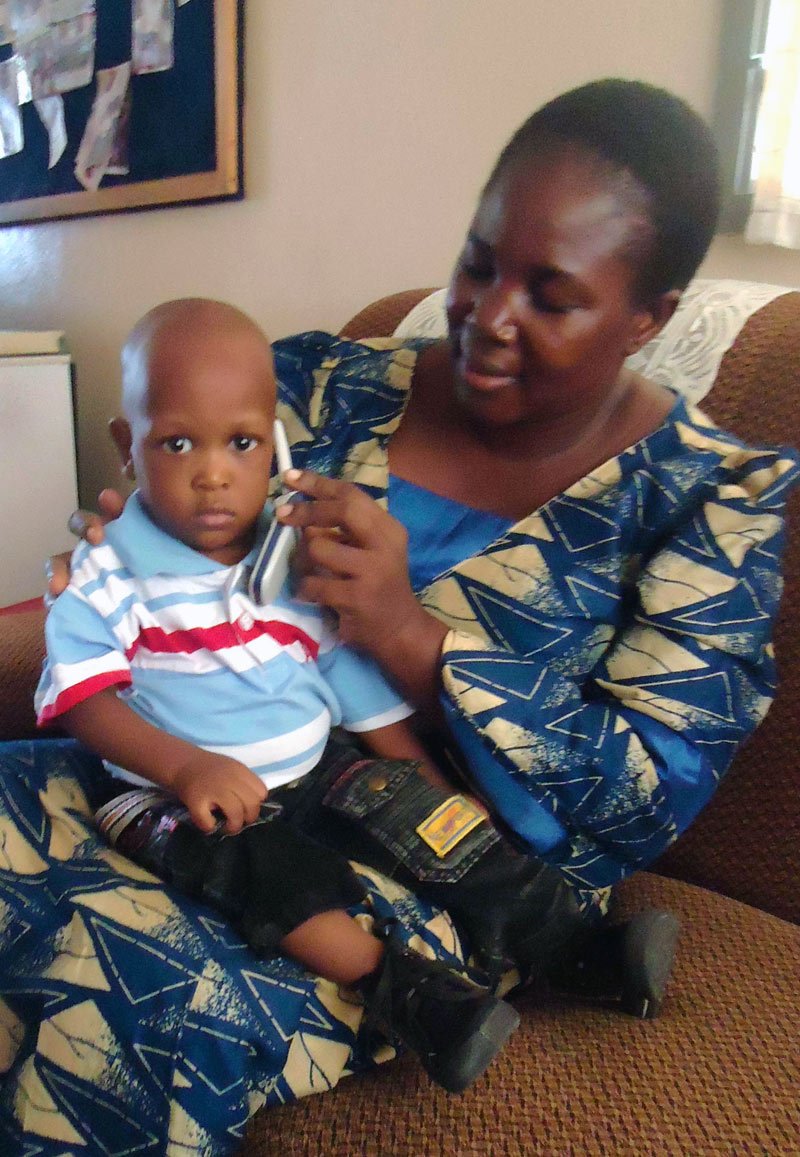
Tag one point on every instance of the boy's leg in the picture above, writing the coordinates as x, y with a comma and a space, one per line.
516, 910
281, 889
455, 1028
266, 880
334, 945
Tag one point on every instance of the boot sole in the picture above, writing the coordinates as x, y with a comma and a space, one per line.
649, 950
457, 1069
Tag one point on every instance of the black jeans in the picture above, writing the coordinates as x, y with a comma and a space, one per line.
515, 910
267, 879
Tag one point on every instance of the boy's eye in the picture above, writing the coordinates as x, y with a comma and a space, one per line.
243, 442
179, 444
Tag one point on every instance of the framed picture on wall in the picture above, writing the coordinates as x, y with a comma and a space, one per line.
110, 105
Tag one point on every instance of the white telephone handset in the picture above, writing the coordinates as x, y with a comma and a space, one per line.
272, 563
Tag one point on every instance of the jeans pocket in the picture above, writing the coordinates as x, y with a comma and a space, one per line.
434, 834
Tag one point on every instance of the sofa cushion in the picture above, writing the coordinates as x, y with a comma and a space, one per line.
717, 1074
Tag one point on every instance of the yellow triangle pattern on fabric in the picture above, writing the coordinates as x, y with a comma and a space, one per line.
79, 1041
736, 532
38, 1113
77, 960
136, 909
314, 1064
647, 652
673, 580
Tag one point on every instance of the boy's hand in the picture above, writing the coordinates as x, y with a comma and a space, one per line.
209, 784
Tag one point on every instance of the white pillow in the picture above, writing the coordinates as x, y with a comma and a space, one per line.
426, 319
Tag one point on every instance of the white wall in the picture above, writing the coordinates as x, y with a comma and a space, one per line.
370, 126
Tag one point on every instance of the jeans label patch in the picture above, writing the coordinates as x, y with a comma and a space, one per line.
449, 823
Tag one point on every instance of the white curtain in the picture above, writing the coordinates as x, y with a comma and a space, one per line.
775, 216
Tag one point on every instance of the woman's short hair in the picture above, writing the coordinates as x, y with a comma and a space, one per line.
657, 138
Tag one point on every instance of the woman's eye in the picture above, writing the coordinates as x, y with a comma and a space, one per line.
545, 304
179, 444
243, 442
477, 270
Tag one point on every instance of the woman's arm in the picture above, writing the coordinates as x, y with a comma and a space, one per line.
205, 782
619, 738
626, 754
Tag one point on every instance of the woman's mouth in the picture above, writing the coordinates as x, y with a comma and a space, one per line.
486, 379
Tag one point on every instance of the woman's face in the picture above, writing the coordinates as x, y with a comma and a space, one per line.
540, 307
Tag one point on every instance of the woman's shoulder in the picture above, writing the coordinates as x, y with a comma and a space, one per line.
755, 469
699, 461
686, 466
317, 349
328, 379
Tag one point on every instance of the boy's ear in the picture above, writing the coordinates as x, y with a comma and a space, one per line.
121, 433
652, 319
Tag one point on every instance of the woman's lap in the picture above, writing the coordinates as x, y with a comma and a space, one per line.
130, 1017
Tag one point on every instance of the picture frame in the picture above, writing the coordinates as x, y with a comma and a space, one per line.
185, 126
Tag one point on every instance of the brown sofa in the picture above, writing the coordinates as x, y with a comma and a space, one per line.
718, 1075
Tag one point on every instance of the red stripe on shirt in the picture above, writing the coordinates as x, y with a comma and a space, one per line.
76, 694
219, 637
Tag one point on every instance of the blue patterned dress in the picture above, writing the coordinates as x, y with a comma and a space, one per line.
605, 657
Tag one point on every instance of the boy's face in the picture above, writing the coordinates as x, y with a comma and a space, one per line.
200, 439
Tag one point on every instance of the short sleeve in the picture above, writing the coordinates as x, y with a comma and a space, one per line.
366, 699
83, 657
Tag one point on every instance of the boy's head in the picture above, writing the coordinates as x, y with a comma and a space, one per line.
198, 400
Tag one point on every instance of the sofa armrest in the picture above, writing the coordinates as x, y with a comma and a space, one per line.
21, 655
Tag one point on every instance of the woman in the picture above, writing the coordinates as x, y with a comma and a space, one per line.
582, 647
585, 616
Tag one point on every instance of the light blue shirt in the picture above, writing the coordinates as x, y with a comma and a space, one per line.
189, 651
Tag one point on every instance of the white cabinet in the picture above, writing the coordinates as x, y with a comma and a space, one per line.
38, 485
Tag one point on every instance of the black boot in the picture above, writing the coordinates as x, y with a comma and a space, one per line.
455, 1028
626, 966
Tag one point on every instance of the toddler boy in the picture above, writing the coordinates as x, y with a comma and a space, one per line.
160, 661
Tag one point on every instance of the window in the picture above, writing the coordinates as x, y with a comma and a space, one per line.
739, 86
757, 119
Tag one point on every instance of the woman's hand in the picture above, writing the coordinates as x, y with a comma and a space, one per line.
356, 560
83, 524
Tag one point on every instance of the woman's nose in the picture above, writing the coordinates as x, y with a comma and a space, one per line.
494, 313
